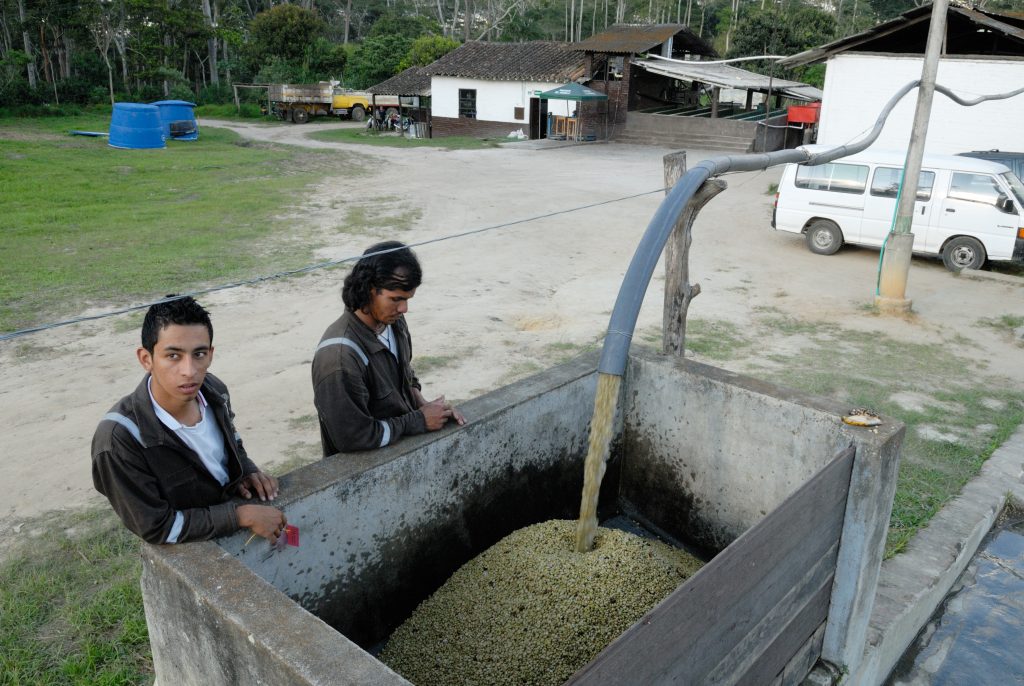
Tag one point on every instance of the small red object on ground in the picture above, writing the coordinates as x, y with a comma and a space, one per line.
291, 534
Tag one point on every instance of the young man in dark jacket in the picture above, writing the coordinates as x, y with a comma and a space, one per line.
364, 388
167, 456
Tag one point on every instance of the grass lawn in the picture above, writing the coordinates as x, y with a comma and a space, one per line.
86, 224
393, 140
71, 606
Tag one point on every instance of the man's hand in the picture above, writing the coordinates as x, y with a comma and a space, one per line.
438, 412
260, 484
262, 520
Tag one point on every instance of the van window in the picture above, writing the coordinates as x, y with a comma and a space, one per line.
975, 188
886, 183
839, 178
1014, 182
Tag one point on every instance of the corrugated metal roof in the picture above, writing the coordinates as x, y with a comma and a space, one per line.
905, 20
532, 61
726, 76
412, 81
630, 39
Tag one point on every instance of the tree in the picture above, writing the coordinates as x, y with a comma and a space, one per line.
427, 49
773, 31
377, 59
283, 32
409, 26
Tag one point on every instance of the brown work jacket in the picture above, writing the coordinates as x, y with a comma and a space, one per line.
363, 395
148, 473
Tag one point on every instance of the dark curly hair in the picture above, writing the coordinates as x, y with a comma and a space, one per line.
388, 265
181, 310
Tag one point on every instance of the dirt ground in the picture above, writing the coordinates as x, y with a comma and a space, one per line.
494, 306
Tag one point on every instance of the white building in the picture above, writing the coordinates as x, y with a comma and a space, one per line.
490, 89
983, 54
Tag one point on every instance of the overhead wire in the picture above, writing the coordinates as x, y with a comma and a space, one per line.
313, 267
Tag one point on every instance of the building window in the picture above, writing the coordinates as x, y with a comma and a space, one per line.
467, 103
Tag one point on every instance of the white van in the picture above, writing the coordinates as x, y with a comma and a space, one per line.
967, 210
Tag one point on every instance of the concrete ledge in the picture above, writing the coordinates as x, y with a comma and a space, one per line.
913, 584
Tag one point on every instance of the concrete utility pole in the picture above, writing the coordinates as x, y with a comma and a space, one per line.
892, 277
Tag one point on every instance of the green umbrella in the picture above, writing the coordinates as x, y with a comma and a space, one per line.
572, 91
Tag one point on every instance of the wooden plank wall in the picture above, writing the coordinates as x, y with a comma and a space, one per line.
746, 613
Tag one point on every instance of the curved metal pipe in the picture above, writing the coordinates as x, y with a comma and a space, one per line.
641, 267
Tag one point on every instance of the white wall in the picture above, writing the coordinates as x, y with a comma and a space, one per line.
857, 86
495, 100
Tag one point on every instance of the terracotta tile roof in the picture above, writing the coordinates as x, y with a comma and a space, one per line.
630, 39
533, 61
412, 81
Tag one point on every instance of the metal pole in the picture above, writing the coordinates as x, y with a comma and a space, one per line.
895, 263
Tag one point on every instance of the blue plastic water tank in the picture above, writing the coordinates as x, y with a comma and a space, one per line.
178, 119
134, 126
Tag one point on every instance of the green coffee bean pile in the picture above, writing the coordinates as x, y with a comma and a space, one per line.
531, 610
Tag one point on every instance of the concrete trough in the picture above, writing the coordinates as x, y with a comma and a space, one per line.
792, 504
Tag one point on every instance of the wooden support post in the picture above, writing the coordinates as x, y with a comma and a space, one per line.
714, 101
238, 105
678, 290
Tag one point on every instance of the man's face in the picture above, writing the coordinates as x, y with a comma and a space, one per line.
386, 306
178, 363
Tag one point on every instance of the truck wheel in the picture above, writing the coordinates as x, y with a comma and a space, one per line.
357, 113
963, 252
300, 116
824, 237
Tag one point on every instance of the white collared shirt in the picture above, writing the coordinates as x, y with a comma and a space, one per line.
389, 340
205, 438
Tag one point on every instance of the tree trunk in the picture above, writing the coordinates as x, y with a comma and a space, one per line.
678, 290
110, 78
227, 63
579, 24
348, 19
30, 68
211, 41
440, 18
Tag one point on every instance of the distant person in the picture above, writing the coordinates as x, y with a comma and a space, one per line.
365, 390
168, 456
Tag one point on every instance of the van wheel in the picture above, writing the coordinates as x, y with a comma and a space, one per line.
963, 252
824, 237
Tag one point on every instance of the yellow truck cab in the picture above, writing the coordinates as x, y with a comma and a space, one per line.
354, 104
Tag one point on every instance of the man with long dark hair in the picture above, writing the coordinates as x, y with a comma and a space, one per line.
364, 387
168, 456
